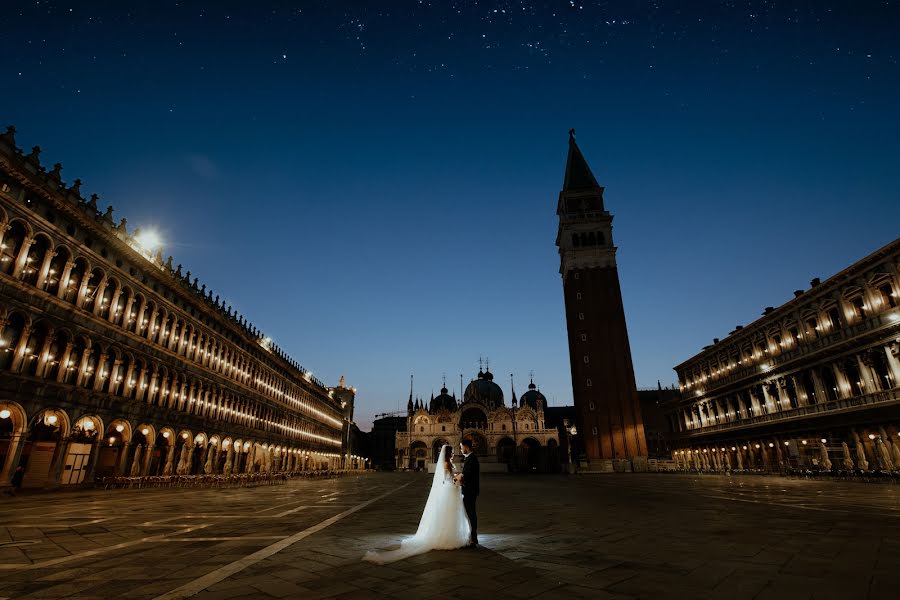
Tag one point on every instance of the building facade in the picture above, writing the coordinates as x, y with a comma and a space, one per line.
812, 384
603, 385
506, 438
115, 362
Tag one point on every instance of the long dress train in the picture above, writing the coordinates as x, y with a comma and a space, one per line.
443, 526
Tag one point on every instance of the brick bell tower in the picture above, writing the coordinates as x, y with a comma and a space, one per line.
610, 428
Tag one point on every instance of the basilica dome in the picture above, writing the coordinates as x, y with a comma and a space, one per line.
443, 402
484, 390
532, 397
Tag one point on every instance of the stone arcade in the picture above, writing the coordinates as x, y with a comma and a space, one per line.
813, 384
114, 362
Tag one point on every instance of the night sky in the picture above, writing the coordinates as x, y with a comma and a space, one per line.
374, 184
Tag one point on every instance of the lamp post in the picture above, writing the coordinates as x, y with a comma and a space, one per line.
571, 430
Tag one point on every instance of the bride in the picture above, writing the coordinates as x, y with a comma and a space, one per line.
443, 526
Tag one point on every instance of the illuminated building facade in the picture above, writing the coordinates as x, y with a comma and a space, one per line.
506, 438
114, 362
812, 384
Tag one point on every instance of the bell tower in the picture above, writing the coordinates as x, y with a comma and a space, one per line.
608, 413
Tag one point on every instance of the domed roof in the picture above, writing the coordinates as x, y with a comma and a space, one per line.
532, 396
484, 390
443, 401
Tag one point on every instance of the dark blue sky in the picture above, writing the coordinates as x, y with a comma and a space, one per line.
375, 187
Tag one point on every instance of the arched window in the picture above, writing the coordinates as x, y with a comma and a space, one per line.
888, 299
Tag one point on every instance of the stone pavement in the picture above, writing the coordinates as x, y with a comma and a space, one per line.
613, 536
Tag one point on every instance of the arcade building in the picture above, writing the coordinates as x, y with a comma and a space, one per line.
116, 362
812, 384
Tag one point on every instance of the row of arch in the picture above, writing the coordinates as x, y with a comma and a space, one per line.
876, 369
867, 449
41, 349
846, 307
55, 449
35, 259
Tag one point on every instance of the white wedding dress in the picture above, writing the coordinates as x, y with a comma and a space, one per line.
444, 525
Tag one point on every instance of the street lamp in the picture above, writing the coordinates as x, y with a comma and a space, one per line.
570, 430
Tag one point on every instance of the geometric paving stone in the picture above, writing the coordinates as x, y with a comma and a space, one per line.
616, 536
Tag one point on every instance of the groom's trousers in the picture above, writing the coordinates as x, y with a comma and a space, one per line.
469, 504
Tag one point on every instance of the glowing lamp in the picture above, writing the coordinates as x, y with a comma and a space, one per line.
120, 428
4, 414
52, 419
145, 431
823, 440
871, 436
166, 434
148, 240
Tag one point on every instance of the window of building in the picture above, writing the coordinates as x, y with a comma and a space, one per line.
586, 359
835, 317
812, 328
576, 275
422, 429
578, 296
591, 406
581, 316
583, 337
594, 430
888, 299
859, 308
443, 428
589, 383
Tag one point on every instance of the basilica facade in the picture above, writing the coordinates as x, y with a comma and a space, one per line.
115, 362
506, 438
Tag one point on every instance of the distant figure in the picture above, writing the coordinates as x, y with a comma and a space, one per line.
17, 479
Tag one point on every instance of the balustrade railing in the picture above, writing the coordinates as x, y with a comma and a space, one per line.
873, 398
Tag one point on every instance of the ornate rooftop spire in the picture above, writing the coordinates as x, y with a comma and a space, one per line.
578, 173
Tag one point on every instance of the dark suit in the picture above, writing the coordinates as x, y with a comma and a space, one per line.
471, 475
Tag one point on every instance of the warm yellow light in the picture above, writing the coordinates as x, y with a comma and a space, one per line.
148, 240
166, 434
120, 428
823, 440
88, 425
145, 431
52, 419
4, 414
871, 436
184, 436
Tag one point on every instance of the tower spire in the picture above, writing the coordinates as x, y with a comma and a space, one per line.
578, 174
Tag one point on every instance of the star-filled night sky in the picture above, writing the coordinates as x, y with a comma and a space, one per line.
374, 184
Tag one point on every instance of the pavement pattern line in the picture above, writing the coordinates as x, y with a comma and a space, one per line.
55, 561
222, 573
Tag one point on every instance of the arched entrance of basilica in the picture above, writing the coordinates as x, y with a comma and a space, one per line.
418, 456
506, 452
530, 455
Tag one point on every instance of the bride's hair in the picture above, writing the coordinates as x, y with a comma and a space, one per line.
448, 453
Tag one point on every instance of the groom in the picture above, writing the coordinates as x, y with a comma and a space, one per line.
469, 481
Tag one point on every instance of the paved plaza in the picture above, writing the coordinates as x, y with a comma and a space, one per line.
617, 536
